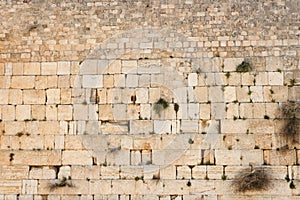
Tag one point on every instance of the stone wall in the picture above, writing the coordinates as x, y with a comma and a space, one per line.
158, 100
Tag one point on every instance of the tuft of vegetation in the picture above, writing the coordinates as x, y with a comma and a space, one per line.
244, 67
64, 182
138, 178
189, 184
19, 134
160, 105
191, 141
176, 107
290, 113
293, 82
224, 177
254, 180
292, 185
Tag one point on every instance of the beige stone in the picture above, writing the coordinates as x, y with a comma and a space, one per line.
22, 82
32, 68
48, 68
76, 158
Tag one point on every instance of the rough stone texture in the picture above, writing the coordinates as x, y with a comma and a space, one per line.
140, 99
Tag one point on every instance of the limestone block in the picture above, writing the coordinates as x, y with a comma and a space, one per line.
141, 126
252, 157
92, 81
51, 112
259, 110
119, 157
274, 63
279, 93
229, 94
14, 97
89, 67
35, 96
189, 126
218, 111
63, 68
246, 110
275, 78
41, 82
42, 173
257, 93
73, 142
22, 82
123, 187
181, 95
216, 94
32, 68
232, 171
228, 157
71, 157
114, 67
205, 111
63, 81
32, 142
146, 157
231, 126
242, 94
192, 79
8, 113
199, 172
277, 172
144, 80
49, 68
10, 187
53, 96
64, 112
29, 186
17, 69
81, 112
162, 126
4, 96
167, 172
64, 171
232, 110
120, 80
145, 111
38, 112
108, 81
148, 187
272, 109
110, 172
149, 67
14, 172
133, 111
131, 172
114, 128
37, 157
183, 172
261, 126
52, 81
154, 94
234, 79
114, 95
230, 64
193, 111
142, 95
100, 187
132, 80
261, 78
129, 66
214, 172
105, 112
135, 157
12, 128
247, 79
284, 157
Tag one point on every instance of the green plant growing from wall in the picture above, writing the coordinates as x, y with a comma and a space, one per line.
160, 105
252, 180
244, 67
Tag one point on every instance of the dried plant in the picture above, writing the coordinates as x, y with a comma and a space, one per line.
253, 180
290, 113
63, 182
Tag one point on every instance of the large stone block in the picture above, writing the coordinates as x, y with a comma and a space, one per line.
228, 157
23, 82
76, 158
